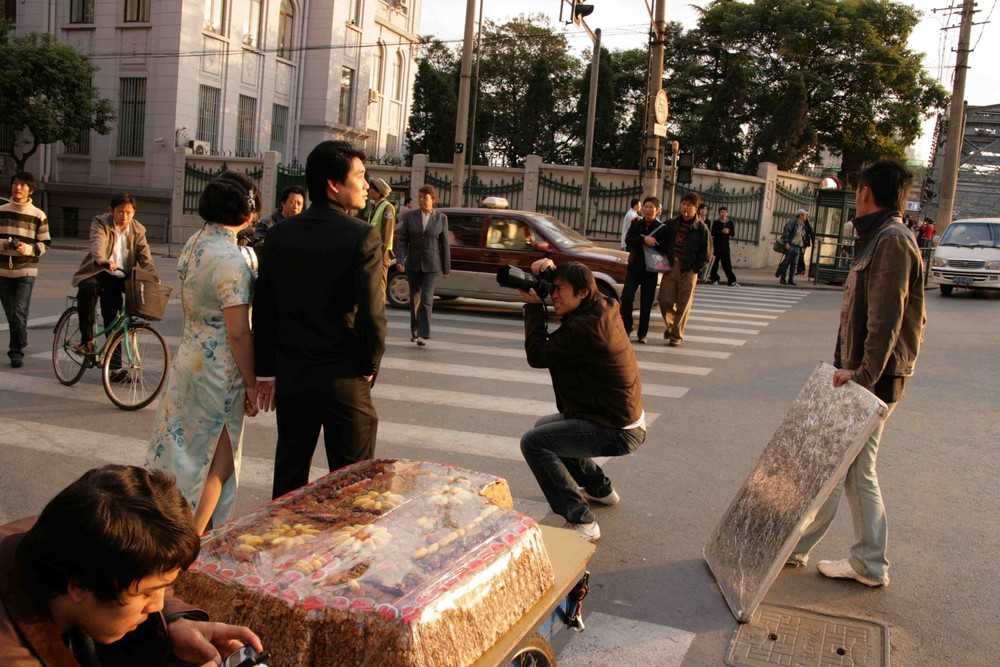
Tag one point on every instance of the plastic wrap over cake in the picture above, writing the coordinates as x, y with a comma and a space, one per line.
381, 563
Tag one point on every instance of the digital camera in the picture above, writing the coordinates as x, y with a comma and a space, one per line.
515, 278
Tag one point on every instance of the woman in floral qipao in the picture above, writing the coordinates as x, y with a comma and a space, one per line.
198, 433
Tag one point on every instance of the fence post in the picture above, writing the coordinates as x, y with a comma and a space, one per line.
177, 200
269, 181
768, 171
418, 173
532, 168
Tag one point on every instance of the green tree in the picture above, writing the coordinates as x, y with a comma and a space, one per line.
607, 121
46, 94
435, 103
538, 116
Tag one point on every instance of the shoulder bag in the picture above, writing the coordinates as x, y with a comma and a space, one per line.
656, 261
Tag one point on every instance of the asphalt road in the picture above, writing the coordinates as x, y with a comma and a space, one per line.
467, 398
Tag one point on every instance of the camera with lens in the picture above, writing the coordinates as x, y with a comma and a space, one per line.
246, 656
515, 278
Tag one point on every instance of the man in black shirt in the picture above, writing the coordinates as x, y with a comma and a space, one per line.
722, 230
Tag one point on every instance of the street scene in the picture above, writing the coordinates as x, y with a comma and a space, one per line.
712, 405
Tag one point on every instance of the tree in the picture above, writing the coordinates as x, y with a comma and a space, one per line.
435, 103
46, 94
607, 121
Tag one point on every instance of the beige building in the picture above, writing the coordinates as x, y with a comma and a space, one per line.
235, 77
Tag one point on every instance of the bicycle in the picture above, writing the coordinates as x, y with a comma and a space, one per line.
130, 341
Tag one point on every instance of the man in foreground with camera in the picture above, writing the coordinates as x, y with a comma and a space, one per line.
86, 582
598, 392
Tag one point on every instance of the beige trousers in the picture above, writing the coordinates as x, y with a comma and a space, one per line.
675, 298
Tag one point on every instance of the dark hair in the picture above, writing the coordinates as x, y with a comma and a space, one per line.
635, 200
723, 208
292, 190
649, 200
329, 161
27, 178
121, 199
889, 181
579, 277
408, 200
108, 530
703, 205
692, 198
428, 190
229, 198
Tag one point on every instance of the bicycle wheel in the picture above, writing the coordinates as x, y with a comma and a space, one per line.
68, 364
143, 358
536, 652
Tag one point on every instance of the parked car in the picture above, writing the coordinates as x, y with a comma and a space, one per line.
484, 239
968, 255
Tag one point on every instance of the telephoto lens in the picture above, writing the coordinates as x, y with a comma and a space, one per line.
515, 278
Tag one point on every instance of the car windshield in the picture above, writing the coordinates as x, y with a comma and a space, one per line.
972, 234
561, 235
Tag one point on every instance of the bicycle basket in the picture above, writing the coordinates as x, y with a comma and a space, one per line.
144, 297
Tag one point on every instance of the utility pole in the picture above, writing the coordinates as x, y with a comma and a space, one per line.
475, 103
588, 147
649, 168
956, 122
462, 117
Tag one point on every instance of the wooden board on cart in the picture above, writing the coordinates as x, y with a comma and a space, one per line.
569, 556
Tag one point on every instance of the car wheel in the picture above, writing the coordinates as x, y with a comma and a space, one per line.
946, 289
607, 290
397, 291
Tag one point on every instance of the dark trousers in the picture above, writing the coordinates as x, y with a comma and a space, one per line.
559, 451
111, 291
349, 423
646, 282
722, 258
422, 285
15, 294
789, 264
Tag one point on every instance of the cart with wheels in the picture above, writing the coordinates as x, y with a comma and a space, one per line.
527, 643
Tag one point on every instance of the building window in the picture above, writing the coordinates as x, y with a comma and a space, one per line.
137, 11
82, 144
251, 31
354, 12
8, 10
81, 11
215, 16
378, 58
286, 21
209, 99
390, 144
371, 144
6, 138
131, 116
397, 76
279, 128
346, 94
246, 126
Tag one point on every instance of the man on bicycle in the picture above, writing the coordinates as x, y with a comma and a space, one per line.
117, 244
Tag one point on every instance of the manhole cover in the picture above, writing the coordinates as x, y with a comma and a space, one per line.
779, 635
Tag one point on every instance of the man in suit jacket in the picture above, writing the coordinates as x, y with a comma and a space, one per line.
319, 320
424, 253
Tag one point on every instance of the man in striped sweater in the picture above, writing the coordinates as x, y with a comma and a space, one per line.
24, 231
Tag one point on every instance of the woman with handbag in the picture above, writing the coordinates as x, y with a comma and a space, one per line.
644, 265
198, 432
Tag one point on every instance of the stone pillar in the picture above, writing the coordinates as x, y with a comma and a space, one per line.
418, 174
174, 233
532, 169
269, 181
765, 255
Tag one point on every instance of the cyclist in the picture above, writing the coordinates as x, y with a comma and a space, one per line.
117, 244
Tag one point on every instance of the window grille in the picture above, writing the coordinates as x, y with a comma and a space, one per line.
137, 10
6, 138
208, 115
279, 128
81, 11
131, 116
82, 144
246, 125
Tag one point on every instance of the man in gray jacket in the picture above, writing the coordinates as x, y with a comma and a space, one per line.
881, 328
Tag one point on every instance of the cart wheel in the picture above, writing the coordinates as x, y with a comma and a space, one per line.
536, 652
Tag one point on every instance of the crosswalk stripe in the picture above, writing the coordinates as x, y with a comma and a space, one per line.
506, 375
499, 335
776, 292
714, 340
751, 309
749, 300
465, 319
715, 329
679, 351
730, 313
724, 320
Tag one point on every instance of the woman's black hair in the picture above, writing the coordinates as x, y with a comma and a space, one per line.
229, 198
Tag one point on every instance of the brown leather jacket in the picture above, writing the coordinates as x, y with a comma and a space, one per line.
882, 319
29, 637
102, 241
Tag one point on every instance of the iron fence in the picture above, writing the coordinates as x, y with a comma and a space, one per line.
443, 186
293, 173
511, 191
563, 199
787, 203
745, 206
196, 178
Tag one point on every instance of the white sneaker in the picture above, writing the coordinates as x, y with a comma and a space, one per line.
842, 569
588, 531
611, 499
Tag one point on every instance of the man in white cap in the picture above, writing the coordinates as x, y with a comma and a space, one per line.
794, 238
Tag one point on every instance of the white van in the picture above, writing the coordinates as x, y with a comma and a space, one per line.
968, 255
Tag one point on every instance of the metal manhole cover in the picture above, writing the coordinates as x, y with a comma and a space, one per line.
778, 635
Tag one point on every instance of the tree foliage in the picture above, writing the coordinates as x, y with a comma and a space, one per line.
435, 103
46, 93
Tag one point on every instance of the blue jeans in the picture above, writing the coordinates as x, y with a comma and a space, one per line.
558, 451
871, 530
15, 293
790, 263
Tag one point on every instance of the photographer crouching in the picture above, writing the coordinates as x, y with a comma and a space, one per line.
598, 392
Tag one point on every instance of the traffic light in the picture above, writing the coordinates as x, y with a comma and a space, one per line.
685, 167
581, 11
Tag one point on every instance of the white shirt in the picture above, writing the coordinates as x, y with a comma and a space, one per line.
119, 252
425, 217
630, 215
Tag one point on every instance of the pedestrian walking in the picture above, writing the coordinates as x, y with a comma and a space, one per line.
793, 238
703, 219
24, 237
319, 321
722, 231
807, 242
881, 328
642, 233
686, 244
631, 214
425, 256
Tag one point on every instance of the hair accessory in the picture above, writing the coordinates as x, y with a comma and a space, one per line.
251, 202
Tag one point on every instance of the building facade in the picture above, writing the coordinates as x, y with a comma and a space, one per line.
234, 77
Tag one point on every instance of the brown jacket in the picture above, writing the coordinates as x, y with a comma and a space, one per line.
882, 319
29, 638
102, 241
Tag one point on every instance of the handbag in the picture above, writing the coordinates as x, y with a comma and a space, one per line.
779, 246
656, 261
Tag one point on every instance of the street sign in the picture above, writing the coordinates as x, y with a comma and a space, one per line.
659, 130
661, 107
459, 147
